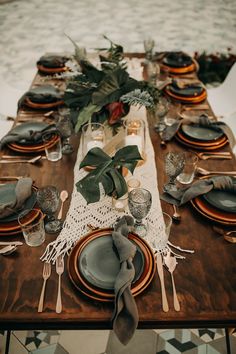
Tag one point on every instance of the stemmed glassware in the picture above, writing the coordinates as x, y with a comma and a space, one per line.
48, 200
174, 164
161, 111
139, 201
149, 44
65, 127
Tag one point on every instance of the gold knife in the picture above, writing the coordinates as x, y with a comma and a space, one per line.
165, 305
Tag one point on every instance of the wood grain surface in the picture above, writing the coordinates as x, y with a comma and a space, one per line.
205, 280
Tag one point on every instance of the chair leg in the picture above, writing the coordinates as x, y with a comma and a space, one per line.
8, 342
227, 339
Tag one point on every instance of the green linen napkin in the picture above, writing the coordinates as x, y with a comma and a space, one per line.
23, 191
41, 94
125, 316
30, 135
180, 196
203, 121
53, 61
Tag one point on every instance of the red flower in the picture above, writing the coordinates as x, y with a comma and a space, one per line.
116, 112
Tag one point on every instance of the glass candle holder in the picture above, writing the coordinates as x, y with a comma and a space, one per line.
133, 183
93, 135
135, 134
120, 204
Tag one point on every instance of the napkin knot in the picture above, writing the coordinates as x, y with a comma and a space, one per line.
224, 183
125, 316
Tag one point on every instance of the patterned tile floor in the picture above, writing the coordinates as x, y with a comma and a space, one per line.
176, 341
29, 29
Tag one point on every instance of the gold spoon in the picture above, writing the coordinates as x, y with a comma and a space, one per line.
63, 196
176, 216
203, 172
7, 250
226, 234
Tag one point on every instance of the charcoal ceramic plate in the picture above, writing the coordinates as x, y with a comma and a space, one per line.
177, 59
99, 263
7, 195
24, 128
200, 133
188, 91
222, 200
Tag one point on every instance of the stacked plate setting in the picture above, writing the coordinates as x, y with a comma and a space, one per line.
9, 224
178, 63
218, 206
93, 265
29, 147
201, 138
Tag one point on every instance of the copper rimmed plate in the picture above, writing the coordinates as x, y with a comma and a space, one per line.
97, 293
183, 70
34, 105
212, 215
193, 99
13, 227
33, 148
46, 70
200, 145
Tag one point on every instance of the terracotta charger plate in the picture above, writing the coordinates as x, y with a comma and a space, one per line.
13, 227
183, 70
193, 99
47, 70
105, 294
33, 148
201, 145
35, 105
213, 213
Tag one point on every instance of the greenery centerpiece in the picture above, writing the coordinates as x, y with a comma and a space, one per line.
104, 96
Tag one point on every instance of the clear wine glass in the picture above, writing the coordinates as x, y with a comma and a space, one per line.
139, 201
65, 128
48, 200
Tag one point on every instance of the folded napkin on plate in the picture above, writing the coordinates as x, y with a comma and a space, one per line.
23, 191
186, 83
41, 94
53, 61
202, 121
178, 59
180, 196
14, 136
125, 316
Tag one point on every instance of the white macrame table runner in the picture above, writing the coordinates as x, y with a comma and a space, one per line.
101, 214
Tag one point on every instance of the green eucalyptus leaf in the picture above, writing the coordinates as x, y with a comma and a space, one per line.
119, 182
85, 115
95, 157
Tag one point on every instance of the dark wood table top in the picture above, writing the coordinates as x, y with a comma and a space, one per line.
205, 280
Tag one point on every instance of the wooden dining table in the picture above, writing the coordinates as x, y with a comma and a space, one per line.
205, 280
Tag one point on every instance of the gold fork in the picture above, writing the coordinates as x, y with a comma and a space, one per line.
46, 275
59, 270
213, 155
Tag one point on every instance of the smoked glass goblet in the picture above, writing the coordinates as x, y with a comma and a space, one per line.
65, 128
139, 201
48, 200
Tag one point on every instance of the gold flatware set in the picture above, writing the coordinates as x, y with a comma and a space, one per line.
46, 275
